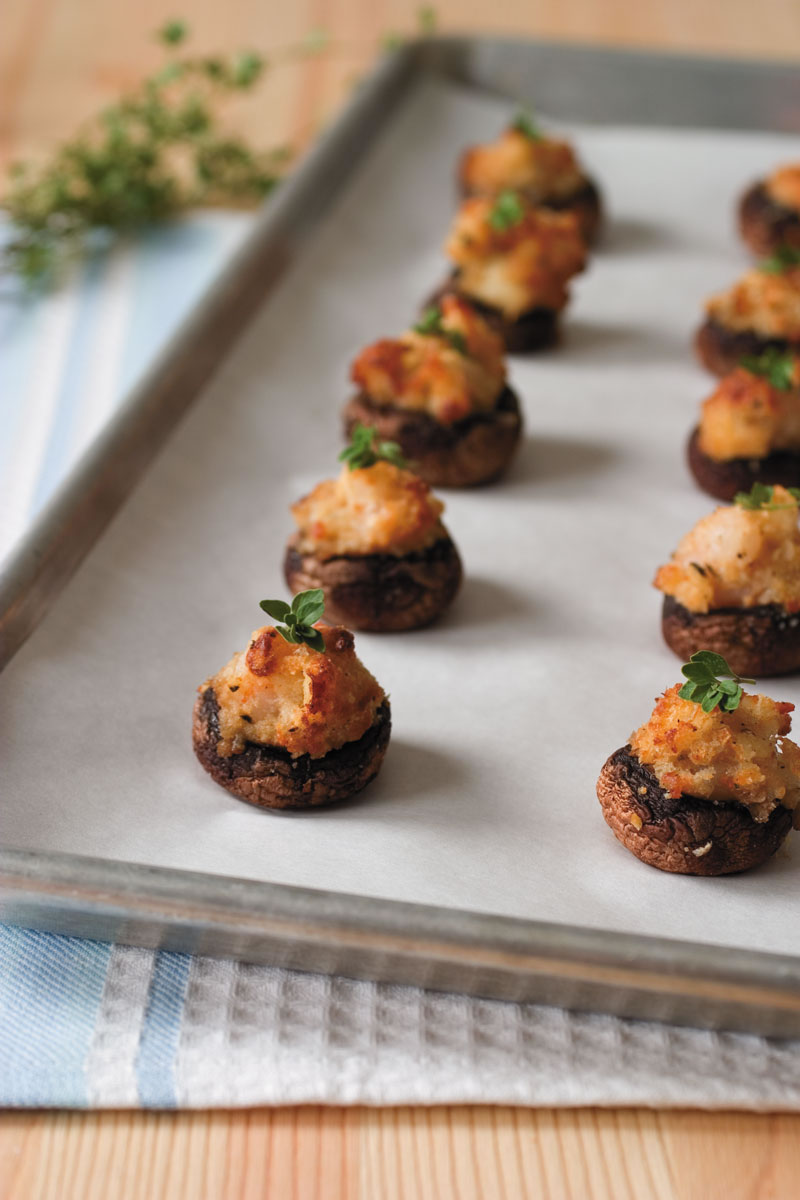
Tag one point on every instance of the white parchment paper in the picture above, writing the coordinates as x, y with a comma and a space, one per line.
506, 710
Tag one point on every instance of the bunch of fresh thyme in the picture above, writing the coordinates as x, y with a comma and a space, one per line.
153, 154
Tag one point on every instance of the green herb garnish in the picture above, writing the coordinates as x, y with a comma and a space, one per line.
365, 449
711, 682
507, 211
300, 615
525, 122
427, 19
761, 496
147, 157
781, 260
430, 324
772, 365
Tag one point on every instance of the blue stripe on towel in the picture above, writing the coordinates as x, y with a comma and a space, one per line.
155, 1066
50, 993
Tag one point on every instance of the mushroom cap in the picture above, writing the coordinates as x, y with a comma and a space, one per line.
721, 350
762, 640
380, 592
269, 777
471, 451
687, 836
766, 225
724, 478
536, 329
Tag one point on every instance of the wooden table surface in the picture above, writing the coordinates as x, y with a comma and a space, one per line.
61, 60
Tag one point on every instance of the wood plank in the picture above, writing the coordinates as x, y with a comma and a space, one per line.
450, 1153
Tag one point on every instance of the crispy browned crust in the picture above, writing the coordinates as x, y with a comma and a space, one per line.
383, 593
474, 450
687, 836
585, 202
535, 330
269, 777
725, 478
766, 225
762, 640
721, 350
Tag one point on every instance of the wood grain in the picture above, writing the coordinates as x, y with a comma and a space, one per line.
60, 60
399, 1154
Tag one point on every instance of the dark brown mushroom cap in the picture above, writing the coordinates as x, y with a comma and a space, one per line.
384, 593
757, 641
534, 330
721, 350
723, 479
585, 202
766, 225
687, 836
269, 777
475, 450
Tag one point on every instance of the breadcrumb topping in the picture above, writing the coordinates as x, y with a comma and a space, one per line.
276, 693
543, 168
737, 558
746, 417
430, 374
767, 303
783, 185
525, 266
741, 757
381, 509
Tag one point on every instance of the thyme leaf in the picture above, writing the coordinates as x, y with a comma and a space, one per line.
365, 449
710, 682
299, 617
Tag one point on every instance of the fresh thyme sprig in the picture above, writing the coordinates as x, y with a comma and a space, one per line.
365, 449
507, 211
525, 122
300, 615
761, 497
430, 324
711, 682
149, 156
772, 365
781, 260
154, 153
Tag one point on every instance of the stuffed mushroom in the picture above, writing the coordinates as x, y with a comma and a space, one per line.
749, 429
513, 261
440, 392
769, 212
733, 585
374, 542
761, 312
710, 784
295, 720
544, 170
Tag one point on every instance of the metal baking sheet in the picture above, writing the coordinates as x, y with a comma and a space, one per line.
479, 859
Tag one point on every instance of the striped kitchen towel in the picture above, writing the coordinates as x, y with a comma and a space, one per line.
68, 358
89, 1025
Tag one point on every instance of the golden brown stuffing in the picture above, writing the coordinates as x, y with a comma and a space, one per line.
279, 694
543, 168
381, 509
741, 756
430, 373
746, 417
767, 303
525, 266
783, 185
737, 558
